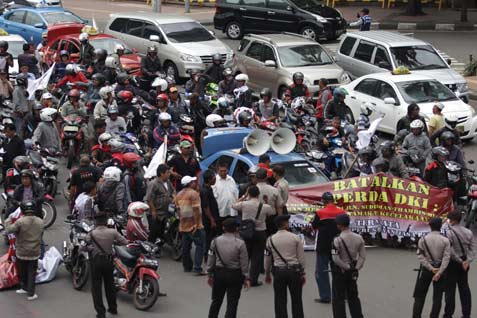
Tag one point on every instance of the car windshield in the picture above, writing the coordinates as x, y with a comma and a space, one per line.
302, 174
186, 32
305, 55
425, 92
60, 17
15, 48
109, 44
306, 3
422, 57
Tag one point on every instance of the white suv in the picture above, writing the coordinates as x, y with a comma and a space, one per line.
182, 43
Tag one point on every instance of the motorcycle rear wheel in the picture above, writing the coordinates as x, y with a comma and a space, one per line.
70, 155
80, 273
149, 295
48, 210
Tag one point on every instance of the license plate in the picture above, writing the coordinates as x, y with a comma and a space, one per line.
71, 129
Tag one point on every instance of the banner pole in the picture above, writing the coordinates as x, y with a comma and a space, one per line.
351, 166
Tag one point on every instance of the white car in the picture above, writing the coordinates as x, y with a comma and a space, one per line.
15, 47
391, 94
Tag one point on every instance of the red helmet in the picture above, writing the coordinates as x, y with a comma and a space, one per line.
74, 93
130, 158
163, 97
126, 96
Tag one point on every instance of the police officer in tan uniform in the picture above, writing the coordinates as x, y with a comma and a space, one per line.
227, 266
285, 258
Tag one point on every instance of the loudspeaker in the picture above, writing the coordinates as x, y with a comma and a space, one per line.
257, 142
283, 141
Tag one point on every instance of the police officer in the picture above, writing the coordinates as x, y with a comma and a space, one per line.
433, 251
285, 258
348, 255
462, 254
227, 267
101, 241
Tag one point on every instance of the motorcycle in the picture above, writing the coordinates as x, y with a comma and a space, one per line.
130, 138
171, 235
72, 137
46, 166
135, 273
76, 259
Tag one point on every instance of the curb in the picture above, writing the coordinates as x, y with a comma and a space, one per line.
405, 26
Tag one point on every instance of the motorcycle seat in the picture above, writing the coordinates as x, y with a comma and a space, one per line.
127, 258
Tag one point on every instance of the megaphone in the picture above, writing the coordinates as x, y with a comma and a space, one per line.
257, 142
283, 141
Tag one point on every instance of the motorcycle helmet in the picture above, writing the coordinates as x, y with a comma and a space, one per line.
111, 62
125, 96
37, 106
298, 76
152, 49
447, 135
118, 47
47, 95
104, 138
21, 162
28, 206
112, 174
217, 57
227, 72
48, 114
186, 119
214, 121
64, 53
266, 92
27, 173
417, 123
222, 102
381, 165
368, 152
22, 80
113, 109
100, 78
100, 54
327, 197
122, 78
130, 159
439, 152
252, 171
83, 37
163, 97
244, 118
367, 108
70, 69
164, 117
241, 77
387, 146
451, 121
74, 93
105, 91
4, 45
297, 104
160, 82
137, 209
339, 92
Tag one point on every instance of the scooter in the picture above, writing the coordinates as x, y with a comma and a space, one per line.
72, 137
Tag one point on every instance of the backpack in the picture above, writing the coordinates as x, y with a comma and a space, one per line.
247, 227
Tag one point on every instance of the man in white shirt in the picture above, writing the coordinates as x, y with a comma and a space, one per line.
225, 191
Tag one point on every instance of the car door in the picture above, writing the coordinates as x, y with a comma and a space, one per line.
33, 27
392, 112
13, 22
362, 92
344, 57
132, 36
165, 51
362, 59
279, 18
253, 64
72, 49
254, 14
267, 76
381, 59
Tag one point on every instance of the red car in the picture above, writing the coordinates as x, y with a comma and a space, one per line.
66, 38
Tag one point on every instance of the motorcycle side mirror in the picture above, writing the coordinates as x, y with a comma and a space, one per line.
471, 162
4, 196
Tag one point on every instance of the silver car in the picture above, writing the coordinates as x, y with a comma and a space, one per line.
270, 61
182, 42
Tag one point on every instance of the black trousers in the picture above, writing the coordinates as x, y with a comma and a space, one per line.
210, 234
422, 286
226, 281
457, 277
156, 228
291, 280
255, 250
102, 270
343, 287
27, 270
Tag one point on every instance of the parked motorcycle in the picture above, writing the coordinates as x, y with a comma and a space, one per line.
72, 138
171, 235
48, 207
46, 166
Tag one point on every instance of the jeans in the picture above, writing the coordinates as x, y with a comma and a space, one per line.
27, 270
198, 238
322, 276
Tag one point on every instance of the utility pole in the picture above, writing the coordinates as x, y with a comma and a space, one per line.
156, 6
187, 6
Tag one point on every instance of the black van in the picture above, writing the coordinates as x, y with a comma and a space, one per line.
307, 17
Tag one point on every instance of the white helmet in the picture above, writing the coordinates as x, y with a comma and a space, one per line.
46, 96
159, 82
104, 91
112, 174
137, 209
241, 77
83, 36
214, 120
118, 47
104, 138
46, 114
164, 116
70, 68
111, 62
417, 123
367, 108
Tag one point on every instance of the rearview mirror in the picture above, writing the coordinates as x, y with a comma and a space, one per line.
270, 63
449, 61
390, 101
212, 32
40, 25
154, 38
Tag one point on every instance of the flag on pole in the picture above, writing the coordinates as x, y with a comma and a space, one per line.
158, 158
364, 136
93, 22
40, 83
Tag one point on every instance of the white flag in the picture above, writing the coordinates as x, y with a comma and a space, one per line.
93, 23
364, 136
159, 157
40, 83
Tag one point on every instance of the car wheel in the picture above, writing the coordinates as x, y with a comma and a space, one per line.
309, 32
171, 70
234, 30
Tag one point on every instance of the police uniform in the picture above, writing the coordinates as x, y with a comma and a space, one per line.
285, 259
433, 251
227, 264
101, 241
462, 249
348, 255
